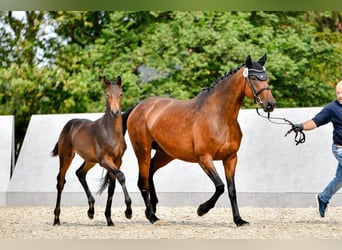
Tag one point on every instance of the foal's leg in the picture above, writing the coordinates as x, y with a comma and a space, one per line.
229, 168
64, 163
111, 188
119, 175
81, 174
208, 166
159, 160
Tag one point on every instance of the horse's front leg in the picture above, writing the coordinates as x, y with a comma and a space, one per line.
229, 167
208, 166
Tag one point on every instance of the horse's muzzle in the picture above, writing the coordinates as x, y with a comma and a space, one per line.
268, 106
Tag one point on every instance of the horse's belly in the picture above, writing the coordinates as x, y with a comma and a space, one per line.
178, 150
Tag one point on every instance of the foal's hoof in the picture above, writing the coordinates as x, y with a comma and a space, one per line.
240, 222
128, 213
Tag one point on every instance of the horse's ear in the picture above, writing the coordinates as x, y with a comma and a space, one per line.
262, 60
118, 81
106, 81
249, 61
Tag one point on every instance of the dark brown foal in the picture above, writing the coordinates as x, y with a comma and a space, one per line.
101, 141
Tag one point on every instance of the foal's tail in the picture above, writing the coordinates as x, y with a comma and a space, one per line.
104, 183
125, 118
55, 150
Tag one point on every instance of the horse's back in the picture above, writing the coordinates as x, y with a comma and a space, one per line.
156, 110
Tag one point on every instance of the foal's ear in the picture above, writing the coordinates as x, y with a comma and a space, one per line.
118, 81
249, 61
262, 60
106, 81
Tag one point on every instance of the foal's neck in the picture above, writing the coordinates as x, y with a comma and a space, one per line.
112, 123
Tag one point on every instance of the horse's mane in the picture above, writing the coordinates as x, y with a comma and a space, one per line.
220, 79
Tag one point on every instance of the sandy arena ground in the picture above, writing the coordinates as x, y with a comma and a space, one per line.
176, 223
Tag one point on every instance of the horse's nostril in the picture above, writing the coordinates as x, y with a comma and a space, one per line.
270, 106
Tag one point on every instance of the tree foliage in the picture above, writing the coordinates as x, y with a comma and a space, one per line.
169, 53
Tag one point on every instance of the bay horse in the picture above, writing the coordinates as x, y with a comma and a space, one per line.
101, 141
202, 129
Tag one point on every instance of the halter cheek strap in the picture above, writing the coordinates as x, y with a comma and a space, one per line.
260, 75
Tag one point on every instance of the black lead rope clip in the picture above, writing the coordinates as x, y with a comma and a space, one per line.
299, 135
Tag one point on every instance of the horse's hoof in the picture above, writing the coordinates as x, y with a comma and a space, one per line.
91, 214
150, 216
154, 219
56, 222
202, 210
241, 222
110, 223
128, 213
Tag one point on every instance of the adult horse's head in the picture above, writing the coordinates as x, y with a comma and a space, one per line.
257, 78
114, 94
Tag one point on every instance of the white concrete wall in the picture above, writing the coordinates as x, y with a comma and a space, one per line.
271, 171
6, 154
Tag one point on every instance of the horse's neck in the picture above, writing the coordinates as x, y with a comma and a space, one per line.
228, 96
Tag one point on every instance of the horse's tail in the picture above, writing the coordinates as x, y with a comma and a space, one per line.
55, 150
104, 183
125, 118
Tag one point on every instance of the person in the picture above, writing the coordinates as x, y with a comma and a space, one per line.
332, 112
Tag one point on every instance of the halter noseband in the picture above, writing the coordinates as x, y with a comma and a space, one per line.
260, 75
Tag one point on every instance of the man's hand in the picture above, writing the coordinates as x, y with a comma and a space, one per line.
297, 127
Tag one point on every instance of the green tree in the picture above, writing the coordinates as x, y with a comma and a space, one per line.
172, 53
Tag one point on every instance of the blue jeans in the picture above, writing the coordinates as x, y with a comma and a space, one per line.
336, 183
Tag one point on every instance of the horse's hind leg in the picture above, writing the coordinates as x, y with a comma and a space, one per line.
81, 174
64, 163
159, 160
143, 184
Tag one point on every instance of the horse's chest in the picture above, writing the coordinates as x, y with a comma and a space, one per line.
230, 145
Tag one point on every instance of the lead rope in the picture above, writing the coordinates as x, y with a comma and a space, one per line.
299, 135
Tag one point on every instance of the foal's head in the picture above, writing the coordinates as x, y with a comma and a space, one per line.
114, 93
255, 74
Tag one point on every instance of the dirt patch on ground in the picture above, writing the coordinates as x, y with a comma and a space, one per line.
176, 223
